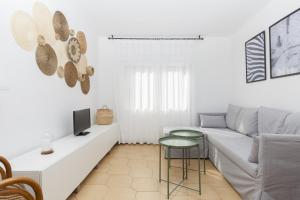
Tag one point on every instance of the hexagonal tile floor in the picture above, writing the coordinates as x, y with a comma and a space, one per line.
130, 172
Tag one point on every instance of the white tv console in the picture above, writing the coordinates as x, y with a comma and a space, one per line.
60, 173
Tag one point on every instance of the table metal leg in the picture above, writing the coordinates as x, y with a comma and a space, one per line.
168, 188
189, 156
183, 176
199, 172
159, 163
204, 154
186, 163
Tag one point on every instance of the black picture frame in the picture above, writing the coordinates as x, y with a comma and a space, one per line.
270, 47
263, 65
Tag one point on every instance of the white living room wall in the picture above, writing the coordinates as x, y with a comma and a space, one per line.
280, 93
31, 103
210, 60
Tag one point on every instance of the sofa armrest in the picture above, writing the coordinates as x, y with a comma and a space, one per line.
210, 114
279, 160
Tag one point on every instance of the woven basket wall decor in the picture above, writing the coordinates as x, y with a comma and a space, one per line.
85, 84
104, 116
59, 49
22, 23
71, 74
46, 59
73, 50
82, 41
61, 26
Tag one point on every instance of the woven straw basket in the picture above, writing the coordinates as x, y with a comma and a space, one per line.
104, 116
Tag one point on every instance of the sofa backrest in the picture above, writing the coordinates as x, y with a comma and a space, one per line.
258, 121
270, 120
242, 120
291, 124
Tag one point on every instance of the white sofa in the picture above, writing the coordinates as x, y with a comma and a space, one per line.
277, 173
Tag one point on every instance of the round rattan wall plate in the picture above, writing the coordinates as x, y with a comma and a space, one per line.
24, 30
82, 41
43, 20
73, 50
85, 85
71, 74
61, 26
46, 59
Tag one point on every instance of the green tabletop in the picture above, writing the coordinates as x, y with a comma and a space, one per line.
178, 142
187, 133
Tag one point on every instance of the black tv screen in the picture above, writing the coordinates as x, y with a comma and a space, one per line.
81, 121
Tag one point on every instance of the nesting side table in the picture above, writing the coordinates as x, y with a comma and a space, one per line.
179, 143
191, 134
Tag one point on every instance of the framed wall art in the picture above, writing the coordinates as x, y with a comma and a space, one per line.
255, 50
285, 46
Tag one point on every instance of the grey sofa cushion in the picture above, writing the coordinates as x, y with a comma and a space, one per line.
208, 121
270, 120
253, 157
231, 116
246, 122
234, 146
291, 124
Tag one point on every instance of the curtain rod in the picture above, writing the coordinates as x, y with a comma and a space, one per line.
112, 37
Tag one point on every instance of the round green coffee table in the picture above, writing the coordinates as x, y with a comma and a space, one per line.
187, 133
192, 134
178, 143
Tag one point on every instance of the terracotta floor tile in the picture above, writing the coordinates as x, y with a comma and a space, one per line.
118, 170
96, 178
92, 192
120, 194
145, 184
137, 163
116, 181
148, 196
141, 172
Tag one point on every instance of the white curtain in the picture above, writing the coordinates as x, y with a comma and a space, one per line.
153, 87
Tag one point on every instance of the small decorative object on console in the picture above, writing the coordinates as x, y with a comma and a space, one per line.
104, 116
46, 144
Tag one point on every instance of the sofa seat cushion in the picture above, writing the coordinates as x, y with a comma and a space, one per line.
235, 146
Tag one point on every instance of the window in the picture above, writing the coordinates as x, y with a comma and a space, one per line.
167, 89
144, 91
175, 87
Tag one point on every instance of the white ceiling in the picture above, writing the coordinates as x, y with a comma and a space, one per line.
163, 17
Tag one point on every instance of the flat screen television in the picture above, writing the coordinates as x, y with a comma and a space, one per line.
81, 121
